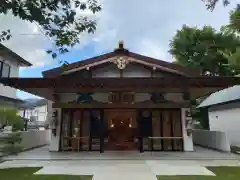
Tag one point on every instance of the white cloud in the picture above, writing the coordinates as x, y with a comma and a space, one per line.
147, 26
27, 41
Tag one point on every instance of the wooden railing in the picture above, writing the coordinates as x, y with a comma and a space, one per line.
152, 143
76, 143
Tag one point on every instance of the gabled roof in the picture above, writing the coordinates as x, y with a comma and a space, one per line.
6, 50
9, 99
227, 95
138, 58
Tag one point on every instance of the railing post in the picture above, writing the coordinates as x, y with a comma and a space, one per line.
140, 144
151, 142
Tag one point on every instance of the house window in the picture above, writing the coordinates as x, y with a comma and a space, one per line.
4, 70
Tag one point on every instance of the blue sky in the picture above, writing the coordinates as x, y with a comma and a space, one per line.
145, 26
74, 56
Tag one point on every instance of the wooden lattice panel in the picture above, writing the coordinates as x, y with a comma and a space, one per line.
121, 97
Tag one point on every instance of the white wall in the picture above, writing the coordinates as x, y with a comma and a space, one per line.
110, 70
35, 138
31, 139
226, 118
175, 97
136, 71
187, 140
139, 97
14, 72
40, 112
68, 97
211, 139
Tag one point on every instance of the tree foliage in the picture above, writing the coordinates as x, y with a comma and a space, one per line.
9, 117
10, 142
205, 49
234, 22
211, 4
58, 19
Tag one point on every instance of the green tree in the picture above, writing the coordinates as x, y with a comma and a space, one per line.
58, 19
233, 28
234, 20
9, 117
205, 50
10, 142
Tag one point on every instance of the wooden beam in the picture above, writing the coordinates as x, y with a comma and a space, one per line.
123, 89
122, 106
121, 83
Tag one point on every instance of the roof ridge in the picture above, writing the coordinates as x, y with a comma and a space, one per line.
120, 51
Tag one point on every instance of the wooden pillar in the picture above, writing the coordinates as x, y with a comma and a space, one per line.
70, 127
61, 130
161, 130
90, 131
102, 131
140, 139
81, 127
141, 145
151, 140
171, 130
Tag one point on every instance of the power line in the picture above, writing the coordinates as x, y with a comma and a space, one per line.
29, 34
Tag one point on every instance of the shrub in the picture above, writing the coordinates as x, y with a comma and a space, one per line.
10, 143
9, 117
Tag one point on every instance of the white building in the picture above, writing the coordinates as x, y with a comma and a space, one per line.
224, 113
10, 63
35, 111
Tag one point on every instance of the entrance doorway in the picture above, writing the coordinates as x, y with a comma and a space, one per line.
121, 133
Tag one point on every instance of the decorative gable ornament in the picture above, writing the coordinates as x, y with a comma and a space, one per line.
158, 97
121, 62
84, 97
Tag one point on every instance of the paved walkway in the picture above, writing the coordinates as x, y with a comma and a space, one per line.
111, 165
200, 154
113, 169
106, 169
